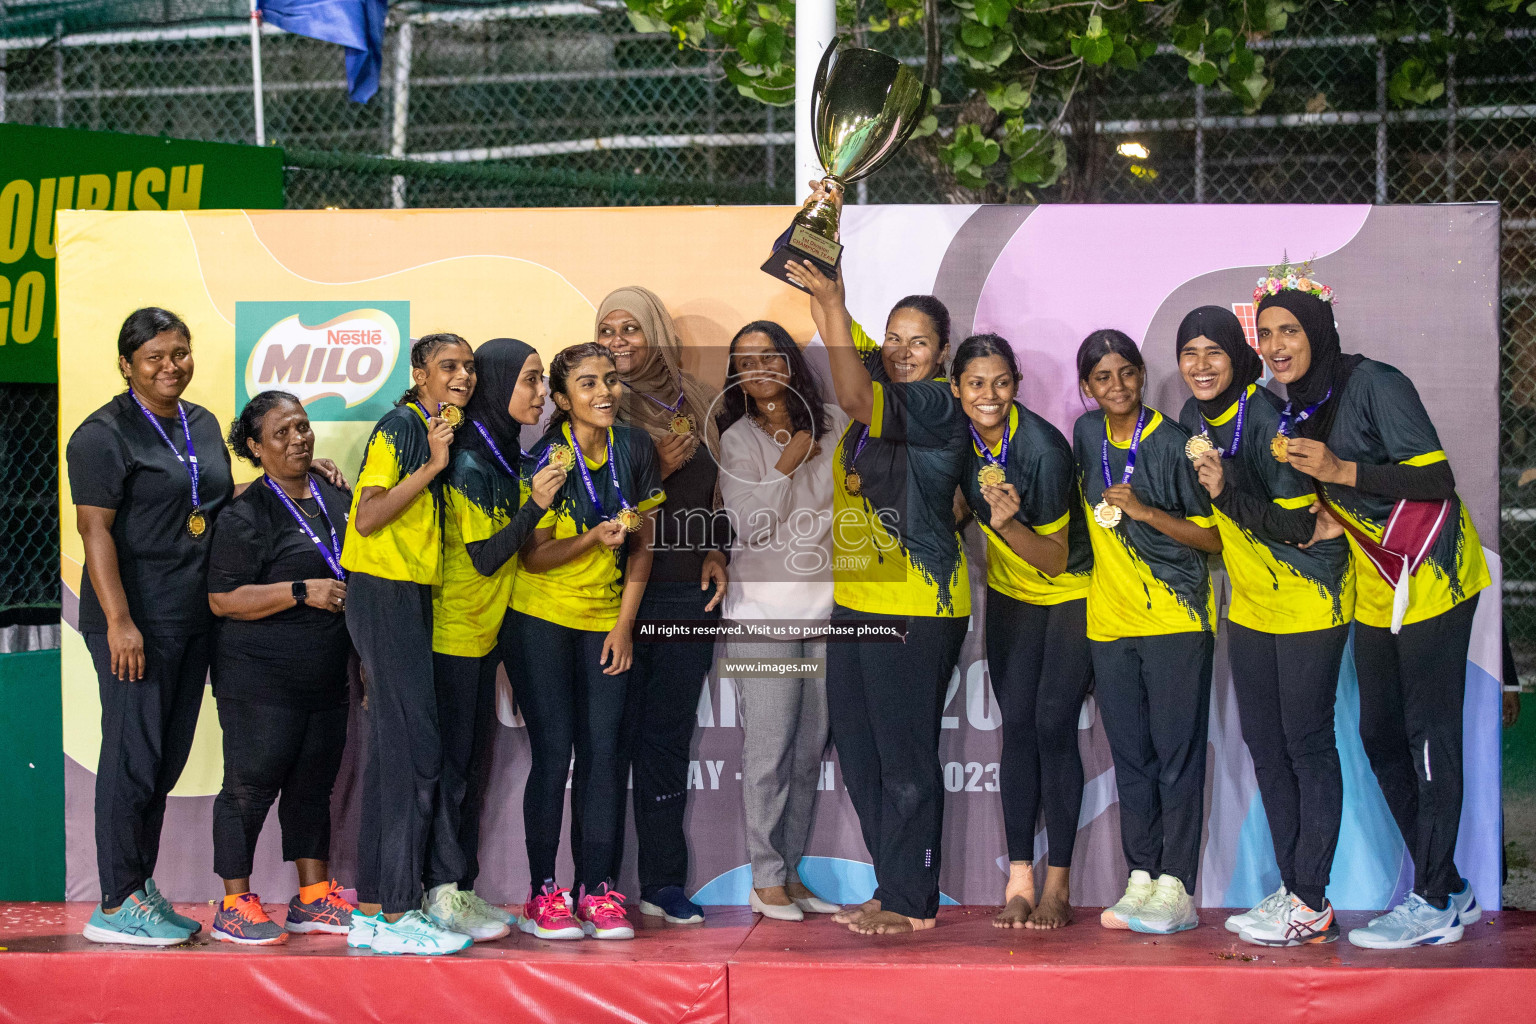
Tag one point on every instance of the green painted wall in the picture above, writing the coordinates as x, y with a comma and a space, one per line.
31, 777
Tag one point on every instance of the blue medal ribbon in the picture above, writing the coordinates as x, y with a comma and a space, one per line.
1287, 422
1130, 458
329, 554
673, 408
190, 459
1001, 458
586, 477
497, 451
848, 463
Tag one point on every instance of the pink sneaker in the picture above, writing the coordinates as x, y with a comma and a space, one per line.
547, 914
602, 914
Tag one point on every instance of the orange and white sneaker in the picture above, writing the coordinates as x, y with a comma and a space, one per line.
547, 914
601, 914
330, 913
241, 919
1296, 925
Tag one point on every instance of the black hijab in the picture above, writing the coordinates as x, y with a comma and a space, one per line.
1330, 368
498, 364
1221, 326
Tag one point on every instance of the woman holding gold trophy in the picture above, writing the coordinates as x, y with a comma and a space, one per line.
583, 574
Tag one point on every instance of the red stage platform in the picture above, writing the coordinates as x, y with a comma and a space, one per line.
742, 970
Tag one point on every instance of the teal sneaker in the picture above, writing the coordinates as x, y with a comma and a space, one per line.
416, 933
361, 928
1413, 922
136, 923
157, 900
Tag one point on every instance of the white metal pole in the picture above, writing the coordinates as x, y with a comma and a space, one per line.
402, 112
815, 26
257, 107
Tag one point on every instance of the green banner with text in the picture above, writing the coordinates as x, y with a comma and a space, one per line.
43, 170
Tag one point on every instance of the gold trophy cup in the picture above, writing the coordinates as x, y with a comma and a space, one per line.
864, 106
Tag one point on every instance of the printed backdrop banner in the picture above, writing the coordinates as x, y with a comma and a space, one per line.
47, 169
325, 303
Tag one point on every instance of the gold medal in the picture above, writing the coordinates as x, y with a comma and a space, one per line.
682, 424
630, 519
1107, 515
1197, 446
197, 523
562, 456
991, 475
853, 483
450, 414
1280, 448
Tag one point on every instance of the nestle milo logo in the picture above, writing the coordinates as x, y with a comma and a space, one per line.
343, 360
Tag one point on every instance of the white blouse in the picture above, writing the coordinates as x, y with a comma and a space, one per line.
781, 557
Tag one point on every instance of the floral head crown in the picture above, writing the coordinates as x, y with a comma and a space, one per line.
1286, 277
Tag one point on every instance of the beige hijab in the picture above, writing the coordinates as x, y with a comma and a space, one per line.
661, 376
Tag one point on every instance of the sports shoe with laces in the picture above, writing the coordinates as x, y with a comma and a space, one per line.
1413, 922
673, 904
1465, 901
1136, 892
547, 914
418, 934
1295, 925
1268, 907
246, 923
330, 914
360, 934
454, 910
136, 923
1169, 909
601, 914
157, 899
489, 910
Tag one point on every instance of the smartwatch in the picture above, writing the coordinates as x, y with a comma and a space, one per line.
300, 591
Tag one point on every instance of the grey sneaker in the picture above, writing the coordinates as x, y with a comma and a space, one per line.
1465, 902
1270, 906
1412, 922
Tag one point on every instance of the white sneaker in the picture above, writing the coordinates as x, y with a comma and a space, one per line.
1412, 922
1169, 909
360, 934
1137, 890
417, 933
1467, 910
1267, 908
1296, 925
462, 912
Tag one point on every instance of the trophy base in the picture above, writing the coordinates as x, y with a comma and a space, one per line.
823, 254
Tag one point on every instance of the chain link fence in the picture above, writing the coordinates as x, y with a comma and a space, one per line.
564, 104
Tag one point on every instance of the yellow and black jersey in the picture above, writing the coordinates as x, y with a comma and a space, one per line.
1380, 420
894, 545
1040, 466
467, 608
1276, 587
1144, 582
409, 547
584, 593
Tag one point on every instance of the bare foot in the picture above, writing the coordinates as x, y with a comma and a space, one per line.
848, 915
1015, 914
1055, 909
1018, 897
888, 922
774, 896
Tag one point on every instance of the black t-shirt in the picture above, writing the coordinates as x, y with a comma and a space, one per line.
297, 657
688, 526
116, 460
